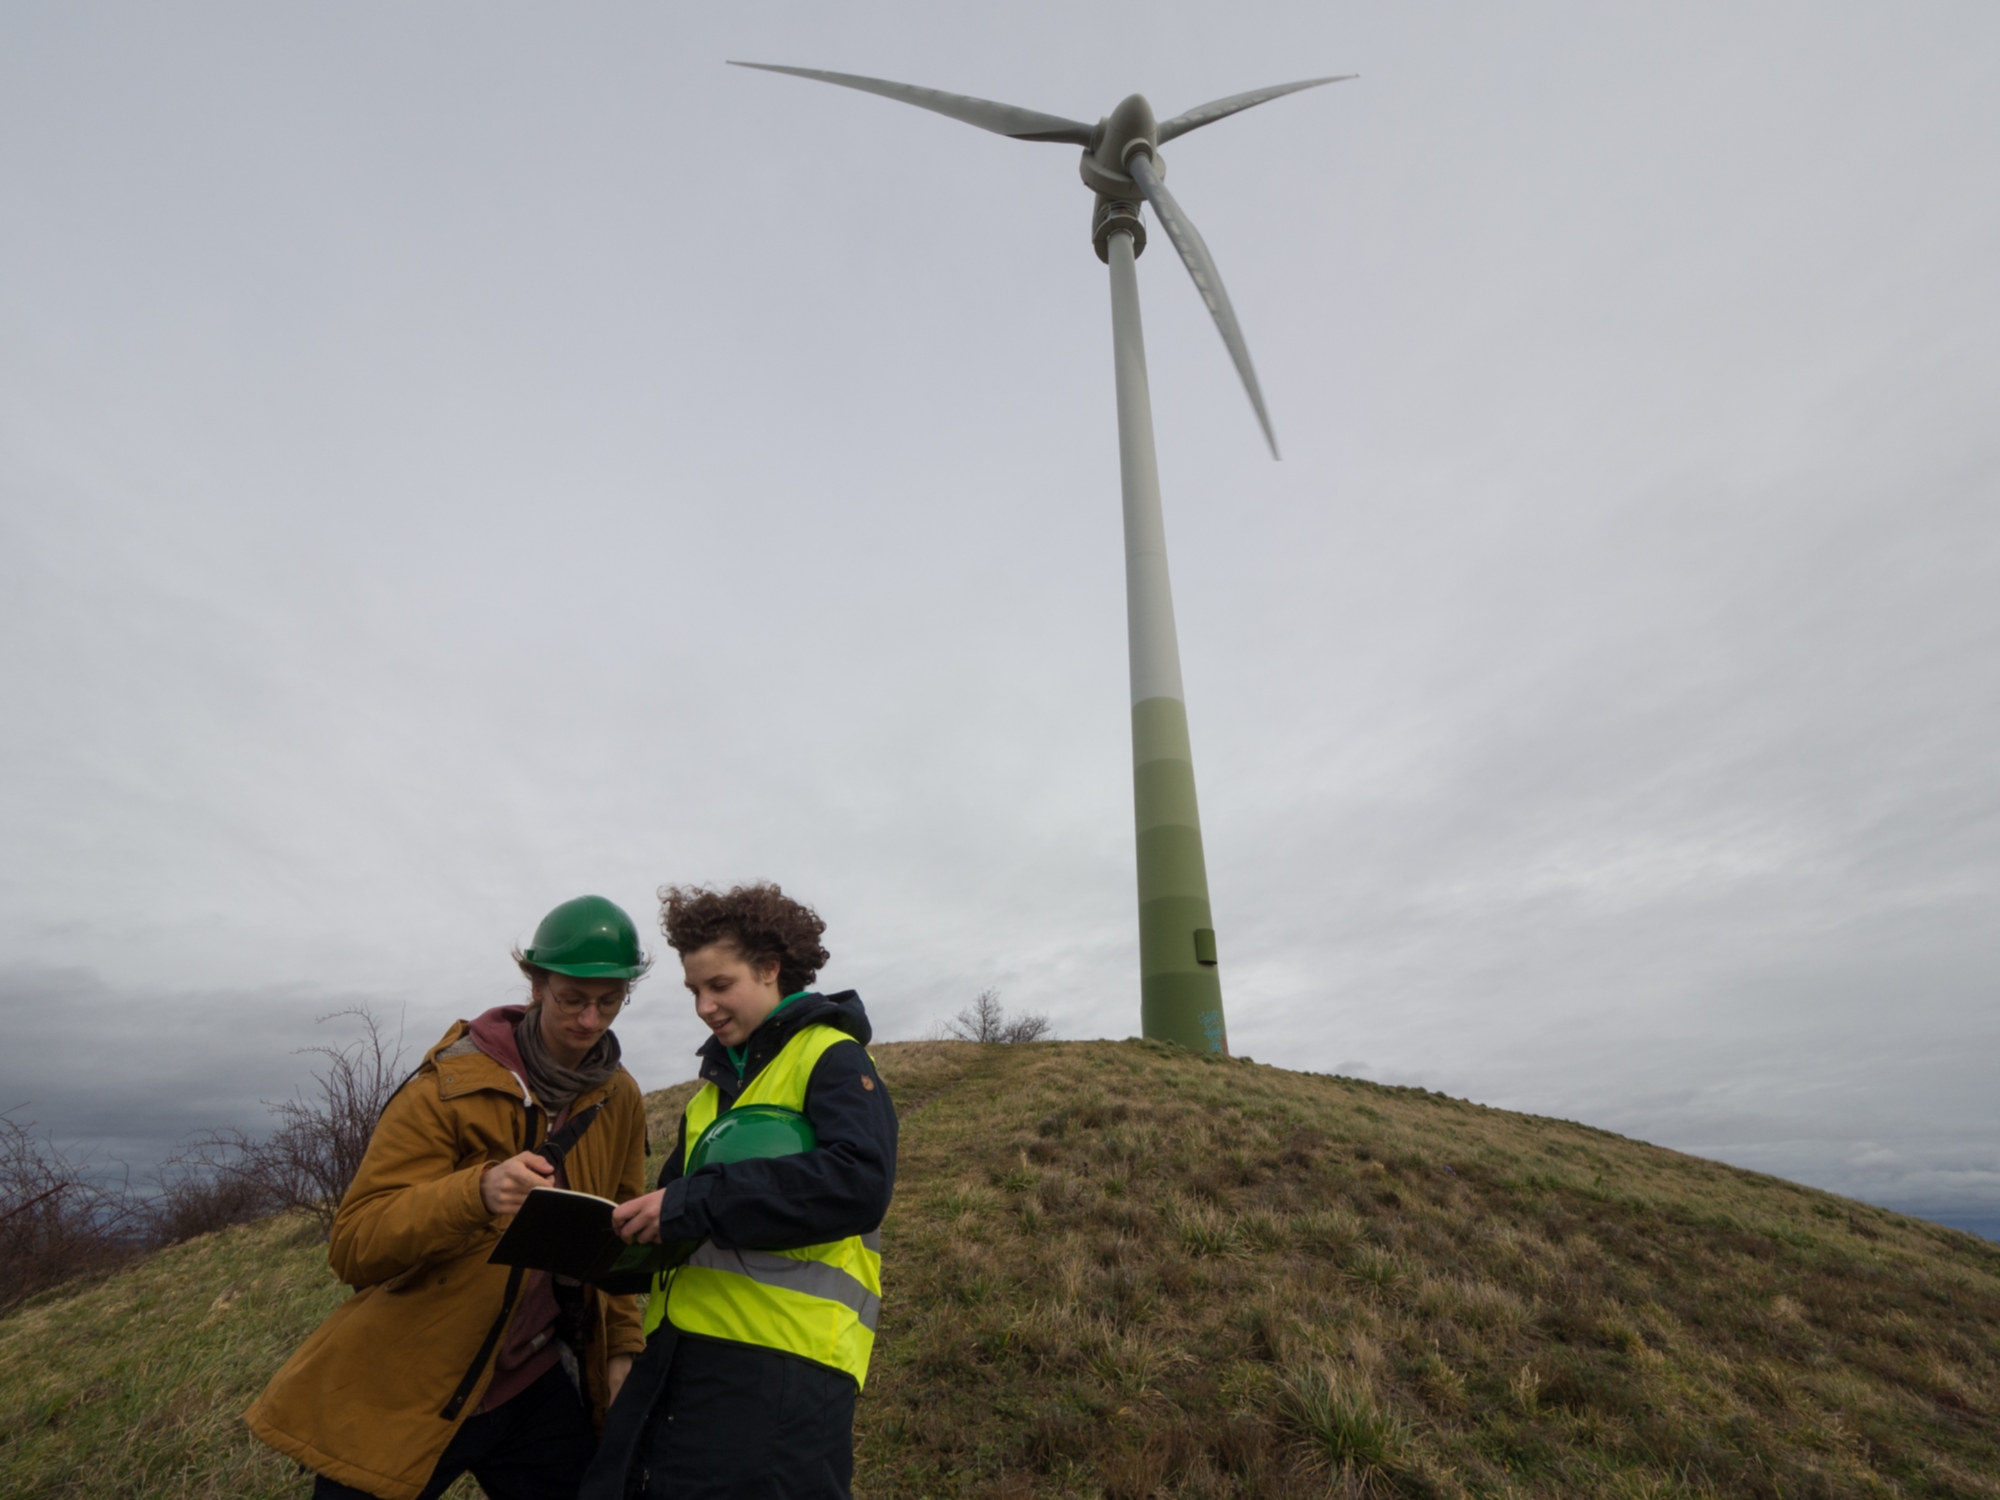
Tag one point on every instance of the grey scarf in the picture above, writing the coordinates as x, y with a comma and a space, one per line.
556, 1087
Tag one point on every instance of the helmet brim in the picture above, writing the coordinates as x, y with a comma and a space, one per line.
589, 971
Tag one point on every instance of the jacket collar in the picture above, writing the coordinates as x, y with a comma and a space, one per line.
843, 1012
470, 1067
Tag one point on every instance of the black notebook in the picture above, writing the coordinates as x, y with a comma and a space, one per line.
571, 1234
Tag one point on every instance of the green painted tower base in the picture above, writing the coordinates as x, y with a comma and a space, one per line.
1180, 990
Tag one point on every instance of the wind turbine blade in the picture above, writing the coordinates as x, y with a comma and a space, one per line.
1208, 114
1001, 119
1207, 280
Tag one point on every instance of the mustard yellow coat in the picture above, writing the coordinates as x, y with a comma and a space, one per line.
360, 1401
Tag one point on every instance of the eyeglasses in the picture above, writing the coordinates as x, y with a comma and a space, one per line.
567, 1006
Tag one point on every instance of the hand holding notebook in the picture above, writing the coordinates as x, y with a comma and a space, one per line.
571, 1234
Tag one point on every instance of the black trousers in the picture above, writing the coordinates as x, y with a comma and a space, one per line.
536, 1447
741, 1423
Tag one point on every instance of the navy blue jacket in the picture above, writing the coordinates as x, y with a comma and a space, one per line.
839, 1188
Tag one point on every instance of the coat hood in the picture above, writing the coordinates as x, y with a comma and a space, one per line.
844, 1012
493, 1034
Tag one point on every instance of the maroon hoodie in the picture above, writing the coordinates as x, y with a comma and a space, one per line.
530, 1350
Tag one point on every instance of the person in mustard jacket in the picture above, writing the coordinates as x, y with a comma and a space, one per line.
439, 1363
772, 1320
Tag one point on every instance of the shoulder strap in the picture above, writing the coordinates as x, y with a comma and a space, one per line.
560, 1142
395, 1091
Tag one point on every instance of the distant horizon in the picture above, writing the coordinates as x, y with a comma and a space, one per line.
1983, 1225
1986, 1226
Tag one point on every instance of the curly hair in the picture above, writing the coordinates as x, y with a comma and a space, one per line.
760, 920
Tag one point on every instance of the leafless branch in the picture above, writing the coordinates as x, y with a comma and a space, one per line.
985, 1020
61, 1216
308, 1161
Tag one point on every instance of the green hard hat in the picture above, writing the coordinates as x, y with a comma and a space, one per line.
588, 938
750, 1132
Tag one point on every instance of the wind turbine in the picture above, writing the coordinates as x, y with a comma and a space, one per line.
1180, 992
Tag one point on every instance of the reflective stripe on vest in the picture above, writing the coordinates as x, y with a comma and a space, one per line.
822, 1302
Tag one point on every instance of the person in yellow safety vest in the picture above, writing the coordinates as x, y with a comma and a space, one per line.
774, 1316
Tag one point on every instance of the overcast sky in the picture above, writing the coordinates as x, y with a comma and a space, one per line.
457, 457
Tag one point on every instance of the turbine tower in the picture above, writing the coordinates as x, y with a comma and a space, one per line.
1180, 991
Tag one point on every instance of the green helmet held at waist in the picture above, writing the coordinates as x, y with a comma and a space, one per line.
588, 938
752, 1132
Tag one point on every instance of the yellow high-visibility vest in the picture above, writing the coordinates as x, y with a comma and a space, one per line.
822, 1302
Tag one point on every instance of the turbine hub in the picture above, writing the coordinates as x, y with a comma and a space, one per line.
1131, 122
1128, 128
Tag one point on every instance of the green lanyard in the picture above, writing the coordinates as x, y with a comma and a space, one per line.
739, 1057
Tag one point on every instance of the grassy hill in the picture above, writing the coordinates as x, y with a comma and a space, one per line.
1118, 1270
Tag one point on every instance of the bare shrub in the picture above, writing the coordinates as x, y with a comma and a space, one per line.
60, 1216
193, 1200
312, 1156
985, 1020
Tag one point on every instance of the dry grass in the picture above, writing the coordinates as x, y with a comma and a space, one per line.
1118, 1271
1121, 1271
135, 1385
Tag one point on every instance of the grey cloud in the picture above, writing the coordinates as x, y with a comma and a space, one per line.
451, 462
